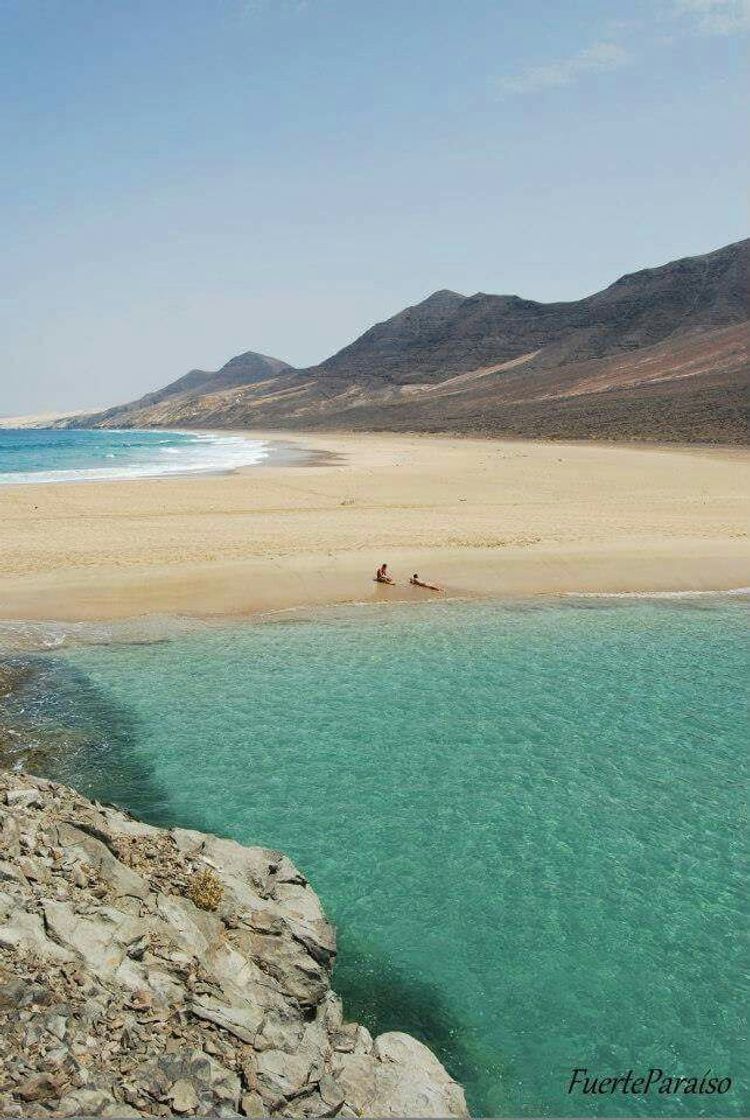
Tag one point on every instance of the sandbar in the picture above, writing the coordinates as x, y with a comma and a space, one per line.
482, 517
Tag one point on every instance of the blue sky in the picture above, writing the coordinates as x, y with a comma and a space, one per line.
185, 180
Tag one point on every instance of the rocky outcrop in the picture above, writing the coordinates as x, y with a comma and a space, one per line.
170, 973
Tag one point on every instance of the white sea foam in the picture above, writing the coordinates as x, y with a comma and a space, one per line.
732, 591
203, 453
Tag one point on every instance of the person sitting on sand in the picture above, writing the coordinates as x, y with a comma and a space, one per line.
417, 582
381, 576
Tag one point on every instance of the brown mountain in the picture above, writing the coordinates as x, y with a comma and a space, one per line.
245, 369
660, 354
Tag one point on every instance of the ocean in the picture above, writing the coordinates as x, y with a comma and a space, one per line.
527, 820
80, 455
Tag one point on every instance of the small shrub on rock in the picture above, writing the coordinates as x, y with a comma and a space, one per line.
205, 890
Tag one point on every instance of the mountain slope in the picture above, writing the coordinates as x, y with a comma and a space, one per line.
663, 353
448, 333
245, 369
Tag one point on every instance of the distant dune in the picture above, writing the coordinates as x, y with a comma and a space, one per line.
662, 354
38, 419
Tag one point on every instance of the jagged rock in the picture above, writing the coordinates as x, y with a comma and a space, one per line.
194, 930
119, 997
121, 880
34, 870
10, 1107
410, 1081
280, 1074
298, 975
331, 1092
39, 1087
251, 1104
225, 1085
27, 931
10, 872
22, 797
355, 1073
242, 1022
101, 943
309, 1104
279, 1032
183, 1096
84, 1102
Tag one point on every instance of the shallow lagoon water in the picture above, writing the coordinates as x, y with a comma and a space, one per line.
529, 822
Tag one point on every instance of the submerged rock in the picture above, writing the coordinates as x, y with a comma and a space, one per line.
119, 996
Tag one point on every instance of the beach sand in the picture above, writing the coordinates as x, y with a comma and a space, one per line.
480, 517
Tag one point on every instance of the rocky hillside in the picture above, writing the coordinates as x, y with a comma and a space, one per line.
246, 369
449, 333
661, 354
146, 972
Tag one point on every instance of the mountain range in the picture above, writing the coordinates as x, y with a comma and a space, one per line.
662, 354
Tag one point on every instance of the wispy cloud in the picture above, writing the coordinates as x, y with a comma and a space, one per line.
672, 20
599, 57
714, 17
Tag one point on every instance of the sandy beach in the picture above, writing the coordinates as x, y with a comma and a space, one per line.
480, 517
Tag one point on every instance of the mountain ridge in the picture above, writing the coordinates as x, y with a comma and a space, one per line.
243, 369
503, 364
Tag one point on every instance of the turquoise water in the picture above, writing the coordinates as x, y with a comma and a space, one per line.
49, 455
528, 822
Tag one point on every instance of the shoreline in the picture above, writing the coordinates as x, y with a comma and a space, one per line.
28, 637
302, 586
275, 452
485, 518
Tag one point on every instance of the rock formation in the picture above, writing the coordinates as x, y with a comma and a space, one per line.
146, 972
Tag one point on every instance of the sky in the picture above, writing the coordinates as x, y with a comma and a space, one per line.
183, 180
